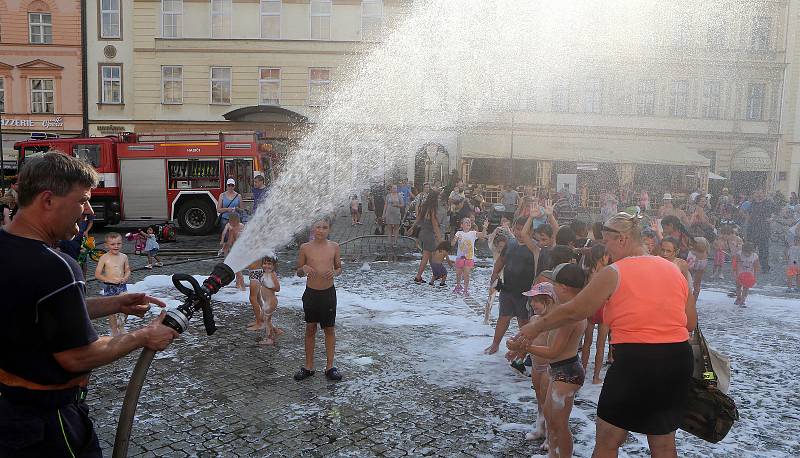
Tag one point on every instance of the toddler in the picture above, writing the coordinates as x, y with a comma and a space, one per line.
269, 301
438, 258
465, 256
151, 247
542, 297
720, 253
113, 270
354, 214
698, 261
745, 269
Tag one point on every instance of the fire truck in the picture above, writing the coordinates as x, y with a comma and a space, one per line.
153, 178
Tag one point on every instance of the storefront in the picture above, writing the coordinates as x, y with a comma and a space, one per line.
547, 164
15, 128
750, 170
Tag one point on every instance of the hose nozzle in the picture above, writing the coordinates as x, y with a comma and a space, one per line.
198, 297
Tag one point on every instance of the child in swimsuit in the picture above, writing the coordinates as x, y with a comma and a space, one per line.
720, 253
747, 267
698, 261
269, 301
793, 266
438, 258
465, 256
255, 273
542, 297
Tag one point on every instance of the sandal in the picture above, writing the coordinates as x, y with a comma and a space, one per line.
333, 374
303, 374
419, 280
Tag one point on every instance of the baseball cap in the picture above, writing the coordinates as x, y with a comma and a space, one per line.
568, 274
230, 181
541, 289
667, 196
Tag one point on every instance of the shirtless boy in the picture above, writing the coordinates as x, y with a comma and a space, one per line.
319, 261
113, 270
566, 371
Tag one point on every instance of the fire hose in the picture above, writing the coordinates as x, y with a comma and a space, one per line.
198, 297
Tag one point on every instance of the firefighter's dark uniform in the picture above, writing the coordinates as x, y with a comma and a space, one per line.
42, 312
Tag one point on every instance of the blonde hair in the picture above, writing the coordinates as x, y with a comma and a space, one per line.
701, 245
626, 224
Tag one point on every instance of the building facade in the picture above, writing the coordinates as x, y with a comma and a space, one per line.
221, 65
40, 71
709, 107
788, 166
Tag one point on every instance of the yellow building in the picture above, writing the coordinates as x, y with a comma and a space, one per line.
220, 65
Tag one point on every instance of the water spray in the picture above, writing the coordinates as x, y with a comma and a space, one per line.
198, 297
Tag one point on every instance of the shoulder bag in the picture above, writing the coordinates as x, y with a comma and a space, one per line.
710, 413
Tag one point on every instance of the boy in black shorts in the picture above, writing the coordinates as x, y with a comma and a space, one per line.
319, 261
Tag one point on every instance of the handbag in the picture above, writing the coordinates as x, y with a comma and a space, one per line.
710, 413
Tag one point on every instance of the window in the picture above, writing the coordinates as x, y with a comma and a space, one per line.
2, 95
41, 28
711, 99
321, 19
319, 81
646, 98
560, 102
269, 86
171, 18
593, 97
271, 19
42, 96
110, 19
220, 18
111, 81
220, 85
88, 153
755, 101
371, 19
171, 85
762, 30
679, 99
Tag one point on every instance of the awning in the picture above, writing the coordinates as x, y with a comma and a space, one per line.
580, 150
714, 176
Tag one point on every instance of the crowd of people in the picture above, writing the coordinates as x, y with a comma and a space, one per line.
562, 277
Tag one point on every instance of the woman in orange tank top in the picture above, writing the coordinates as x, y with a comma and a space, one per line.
650, 313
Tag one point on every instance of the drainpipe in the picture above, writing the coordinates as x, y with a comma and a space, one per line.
84, 72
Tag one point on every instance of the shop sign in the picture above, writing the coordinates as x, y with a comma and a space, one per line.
45, 124
111, 129
752, 161
587, 166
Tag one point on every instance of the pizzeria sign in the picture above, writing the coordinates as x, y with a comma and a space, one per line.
57, 122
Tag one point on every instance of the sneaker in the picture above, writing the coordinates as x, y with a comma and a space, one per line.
445, 284
303, 374
149, 266
418, 280
159, 264
333, 374
458, 289
431, 282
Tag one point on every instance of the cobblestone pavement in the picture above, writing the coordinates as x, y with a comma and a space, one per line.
227, 396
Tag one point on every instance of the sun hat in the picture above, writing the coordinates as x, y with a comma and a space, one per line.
667, 196
230, 181
541, 289
568, 274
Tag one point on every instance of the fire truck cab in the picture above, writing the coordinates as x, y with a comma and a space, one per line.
149, 179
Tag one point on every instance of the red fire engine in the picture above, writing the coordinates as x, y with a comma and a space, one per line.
149, 179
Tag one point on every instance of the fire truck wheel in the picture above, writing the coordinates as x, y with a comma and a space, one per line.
197, 217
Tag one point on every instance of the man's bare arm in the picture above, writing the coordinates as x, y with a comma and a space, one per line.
301, 262
337, 262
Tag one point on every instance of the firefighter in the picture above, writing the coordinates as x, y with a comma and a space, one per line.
48, 343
